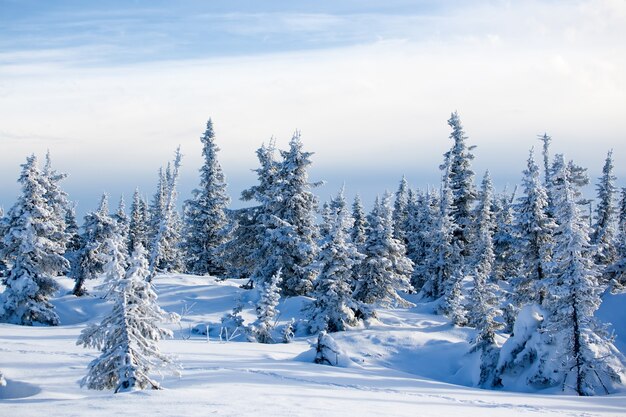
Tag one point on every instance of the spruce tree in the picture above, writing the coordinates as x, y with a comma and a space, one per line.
290, 235
122, 220
577, 355
616, 272
359, 228
34, 253
128, 336
206, 223
91, 256
423, 212
241, 254
400, 211
57, 201
334, 308
483, 299
535, 229
266, 310
73, 231
138, 223
385, 270
603, 236
458, 168
165, 253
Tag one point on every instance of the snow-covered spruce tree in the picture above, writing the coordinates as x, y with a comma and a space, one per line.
156, 208
423, 211
483, 299
545, 139
452, 305
334, 308
56, 200
3, 382
206, 223
290, 236
534, 229
458, 167
3, 231
617, 271
400, 211
603, 236
266, 310
324, 226
123, 222
90, 258
506, 264
73, 231
578, 354
359, 228
128, 336
445, 259
138, 223
34, 255
385, 270
240, 254
165, 253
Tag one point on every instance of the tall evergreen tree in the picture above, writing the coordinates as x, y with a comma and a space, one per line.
206, 223
458, 167
34, 252
128, 336
73, 231
603, 236
165, 253
359, 228
400, 211
506, 263
91, 256
616, 272
545, 139
577, 354
385, 269
535, 231
483, 298
290, 236
123, 222
240, 255
57, 201
138, 223
334, 308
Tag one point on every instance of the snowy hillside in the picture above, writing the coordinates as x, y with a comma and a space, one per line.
409, 363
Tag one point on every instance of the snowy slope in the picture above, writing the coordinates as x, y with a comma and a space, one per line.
404, 365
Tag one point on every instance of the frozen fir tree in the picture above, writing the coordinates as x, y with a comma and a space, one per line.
288, 218
57, 201
91, 256
138, 223
400, 211
266, 310
206, 223
34, 254
156, 208
423, 211
534, 229
452, 303
73, 232
577, 355
603, 236
616, 272
165, 253
483, 299
545, 139
359, 227
128, 336
458, 167
385, 270
334, 308
324, 226
506, 263
122, 220
3, 231
445, 258
240, 254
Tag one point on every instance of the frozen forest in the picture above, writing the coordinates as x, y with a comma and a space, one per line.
507, 283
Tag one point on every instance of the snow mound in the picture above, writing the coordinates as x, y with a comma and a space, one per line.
17, 389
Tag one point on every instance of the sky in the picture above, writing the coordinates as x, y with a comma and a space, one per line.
111, 88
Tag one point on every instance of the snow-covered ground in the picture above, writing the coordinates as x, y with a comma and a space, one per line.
411, 363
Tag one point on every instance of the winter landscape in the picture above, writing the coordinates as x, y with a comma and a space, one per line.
333, 275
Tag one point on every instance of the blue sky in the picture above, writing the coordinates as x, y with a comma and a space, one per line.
113, 87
